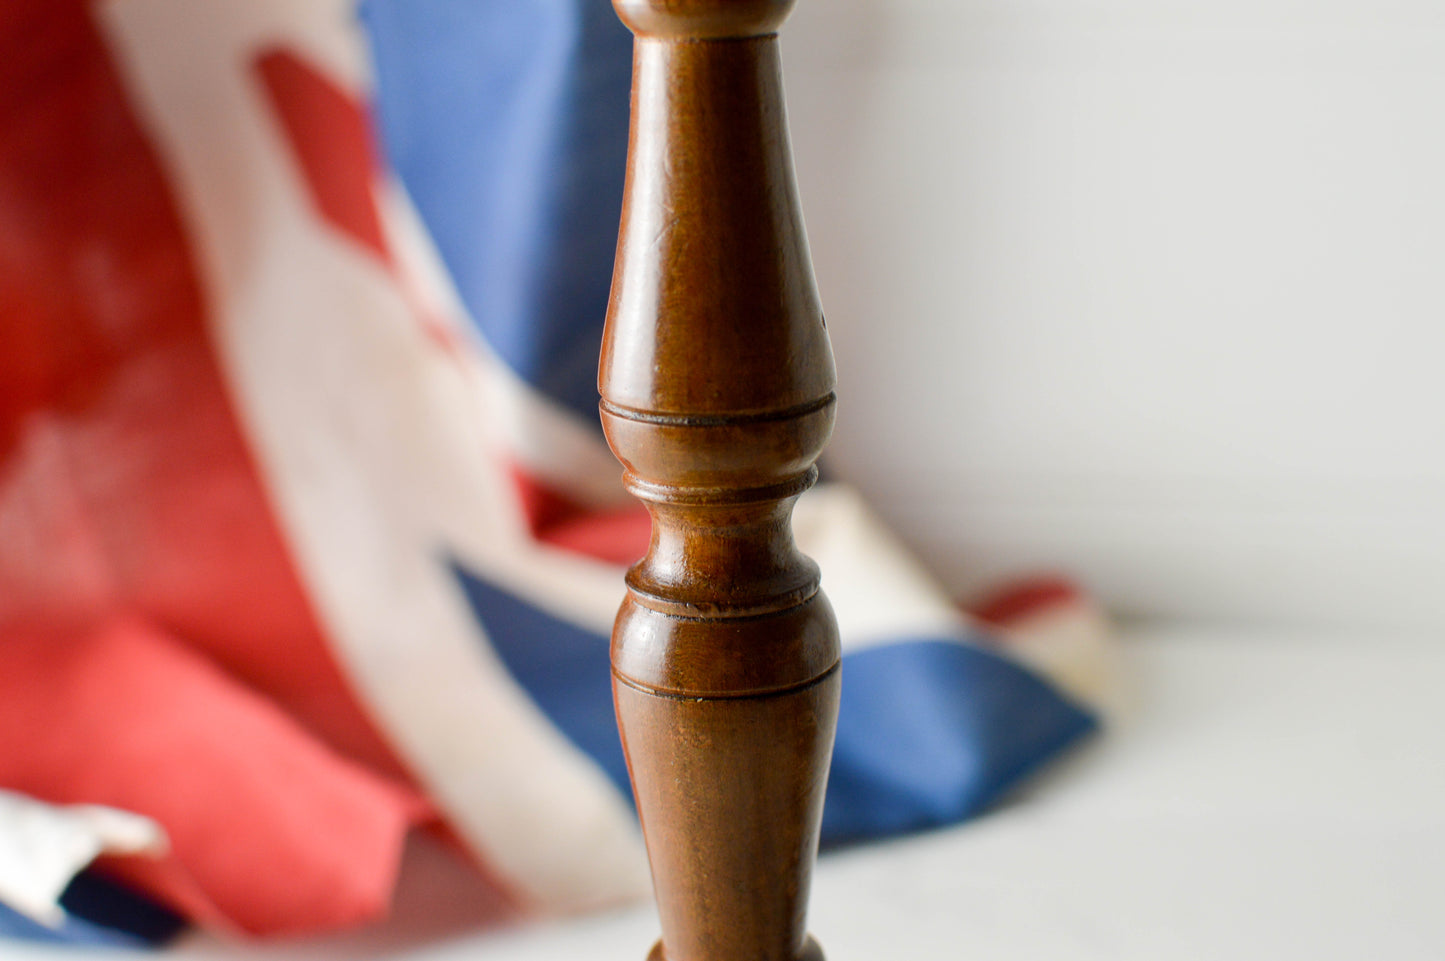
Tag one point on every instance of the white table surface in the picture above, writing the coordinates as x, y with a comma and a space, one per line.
1264, 794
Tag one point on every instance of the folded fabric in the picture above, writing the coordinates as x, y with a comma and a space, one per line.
268, 830
307, 531
43, 847
46, 890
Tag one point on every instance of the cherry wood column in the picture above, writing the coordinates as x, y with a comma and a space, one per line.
717, 396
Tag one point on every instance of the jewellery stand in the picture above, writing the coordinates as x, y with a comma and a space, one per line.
717, 396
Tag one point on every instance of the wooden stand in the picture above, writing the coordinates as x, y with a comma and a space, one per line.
717, 396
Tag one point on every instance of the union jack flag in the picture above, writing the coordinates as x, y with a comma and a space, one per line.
308, 534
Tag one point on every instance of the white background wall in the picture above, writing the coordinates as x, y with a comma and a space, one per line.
1150, 291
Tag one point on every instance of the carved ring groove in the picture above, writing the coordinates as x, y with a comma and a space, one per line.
757, 694
704, 496
732, 419
720, 611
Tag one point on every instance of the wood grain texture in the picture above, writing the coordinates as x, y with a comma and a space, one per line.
717, 396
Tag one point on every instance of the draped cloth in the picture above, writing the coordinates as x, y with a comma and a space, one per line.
308, 535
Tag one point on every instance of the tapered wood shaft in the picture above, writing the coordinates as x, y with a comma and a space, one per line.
717, 396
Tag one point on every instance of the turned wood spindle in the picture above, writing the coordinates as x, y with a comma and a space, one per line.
717, 396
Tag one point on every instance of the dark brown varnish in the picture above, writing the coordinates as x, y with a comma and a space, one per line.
717, 396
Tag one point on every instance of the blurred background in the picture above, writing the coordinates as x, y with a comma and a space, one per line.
298, 439
1152, 291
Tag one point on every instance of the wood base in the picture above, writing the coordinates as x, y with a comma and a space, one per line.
810, 952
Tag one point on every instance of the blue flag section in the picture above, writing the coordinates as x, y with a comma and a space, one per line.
71, 931
564, 668
507, 122
934, 731
100, 913
930, 731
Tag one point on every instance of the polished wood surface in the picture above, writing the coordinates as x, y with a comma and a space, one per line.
717, 396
